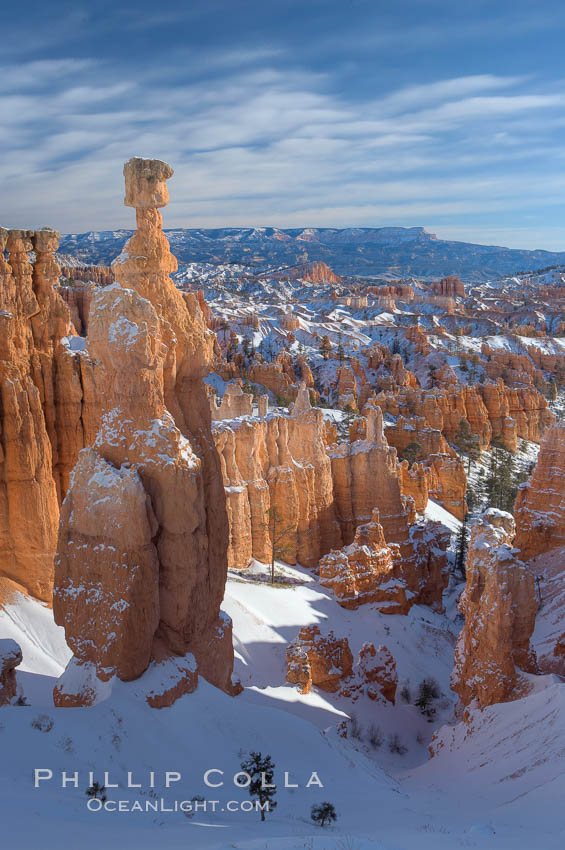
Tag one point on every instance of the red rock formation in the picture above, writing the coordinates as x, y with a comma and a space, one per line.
78, 298
516, 412
315, 272
491, 410
28, 498
304, 371
153, 453
511, 367
376, 669
263, 405
415, 483
500, 608
540, 504
87, 274
316, 660
418, 336
366, 571
234, 403
366, 474
10, 657
451, 286
209, 316
445, 472
279, 462
347, 388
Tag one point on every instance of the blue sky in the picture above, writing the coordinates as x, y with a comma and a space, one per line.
449, 115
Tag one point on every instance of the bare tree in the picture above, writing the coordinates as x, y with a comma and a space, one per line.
278, 532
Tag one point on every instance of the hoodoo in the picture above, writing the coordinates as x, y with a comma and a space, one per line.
500, 609
141, 563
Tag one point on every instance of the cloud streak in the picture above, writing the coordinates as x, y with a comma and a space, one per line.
256, 138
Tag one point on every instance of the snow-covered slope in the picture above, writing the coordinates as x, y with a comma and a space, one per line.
384, 800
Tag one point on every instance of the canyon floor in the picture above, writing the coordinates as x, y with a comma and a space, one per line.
497, 787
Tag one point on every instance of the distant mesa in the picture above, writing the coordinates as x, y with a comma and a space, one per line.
357, 251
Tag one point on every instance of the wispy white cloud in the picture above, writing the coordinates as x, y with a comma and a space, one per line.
257, 143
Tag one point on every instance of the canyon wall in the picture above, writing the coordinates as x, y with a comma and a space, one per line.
499, 606
47, 408
540, 503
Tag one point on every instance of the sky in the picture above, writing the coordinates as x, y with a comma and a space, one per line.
446, 115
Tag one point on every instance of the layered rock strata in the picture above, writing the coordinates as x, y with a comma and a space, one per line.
540, 503
141, 564
499, 607
278, 466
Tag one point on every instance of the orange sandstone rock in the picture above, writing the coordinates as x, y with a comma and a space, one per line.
317, 660
10, 657
162, 550
540, 504
366, 571
500, 608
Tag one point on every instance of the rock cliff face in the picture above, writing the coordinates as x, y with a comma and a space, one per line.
278, 465
540, 504
492, 410
347, 388
366, 475
320, 497
141, 563
516, 412
10, 657
78, 298
34, 425
446, 481
451, 286
234, 403
500, 609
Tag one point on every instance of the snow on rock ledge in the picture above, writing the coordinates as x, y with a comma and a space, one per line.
500, 609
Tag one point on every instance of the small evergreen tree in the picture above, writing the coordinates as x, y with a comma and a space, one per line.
411, 452
428, 691
261, 770
97, 791
340, 349
467, 442
461, 550
323, 814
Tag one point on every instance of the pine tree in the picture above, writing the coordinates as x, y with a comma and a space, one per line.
340, 350
503, 478
411, 453
428, 690
461, 550
97, 791
499, 478
467, 442
261, 771
323, 813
